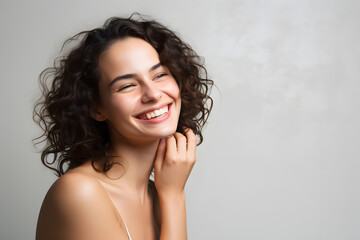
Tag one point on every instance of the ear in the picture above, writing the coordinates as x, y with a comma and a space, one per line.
97, 114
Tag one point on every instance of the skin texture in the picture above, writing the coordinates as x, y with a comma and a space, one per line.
86, 204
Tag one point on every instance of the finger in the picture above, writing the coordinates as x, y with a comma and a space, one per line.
171, 149
181, 143
191, 141
160, 154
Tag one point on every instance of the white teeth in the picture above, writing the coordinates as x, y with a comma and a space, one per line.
157, 112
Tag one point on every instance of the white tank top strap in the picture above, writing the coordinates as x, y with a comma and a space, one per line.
127, 230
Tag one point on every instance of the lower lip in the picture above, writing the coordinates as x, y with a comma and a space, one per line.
158, 119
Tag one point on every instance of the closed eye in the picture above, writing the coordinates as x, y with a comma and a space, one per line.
125, 87
160, 75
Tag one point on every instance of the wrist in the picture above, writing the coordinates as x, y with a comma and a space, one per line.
172, 197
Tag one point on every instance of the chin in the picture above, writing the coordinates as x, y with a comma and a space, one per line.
163, 133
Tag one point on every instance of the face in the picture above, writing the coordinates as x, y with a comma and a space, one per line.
140, 99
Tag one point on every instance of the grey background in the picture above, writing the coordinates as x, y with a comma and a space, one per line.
281, 153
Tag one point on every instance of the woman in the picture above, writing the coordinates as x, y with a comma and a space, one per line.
127, 102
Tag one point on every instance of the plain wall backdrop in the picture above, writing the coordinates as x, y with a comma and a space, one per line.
281, 153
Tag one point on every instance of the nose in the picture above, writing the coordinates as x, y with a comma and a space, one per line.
151, 92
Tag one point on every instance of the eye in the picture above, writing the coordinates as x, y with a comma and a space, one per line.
160, 75
125, 87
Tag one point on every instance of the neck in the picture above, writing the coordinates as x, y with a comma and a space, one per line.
138, 161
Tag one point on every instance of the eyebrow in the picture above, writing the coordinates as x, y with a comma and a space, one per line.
132, 75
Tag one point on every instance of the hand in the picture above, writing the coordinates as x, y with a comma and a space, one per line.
175, 158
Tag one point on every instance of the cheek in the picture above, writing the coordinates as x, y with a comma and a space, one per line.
173, 90
120, 107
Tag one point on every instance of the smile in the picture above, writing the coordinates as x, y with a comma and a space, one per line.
155, 115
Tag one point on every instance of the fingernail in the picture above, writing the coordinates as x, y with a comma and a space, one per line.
162, 140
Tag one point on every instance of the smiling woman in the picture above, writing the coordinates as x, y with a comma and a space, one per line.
126, 102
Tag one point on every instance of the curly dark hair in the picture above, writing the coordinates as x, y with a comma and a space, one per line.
63, 112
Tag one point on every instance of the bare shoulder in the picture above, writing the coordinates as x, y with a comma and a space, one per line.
78, 207
74, 191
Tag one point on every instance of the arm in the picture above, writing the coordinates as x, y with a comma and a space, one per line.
173, 165
173, 215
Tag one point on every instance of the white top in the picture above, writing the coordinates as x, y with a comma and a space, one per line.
126, 229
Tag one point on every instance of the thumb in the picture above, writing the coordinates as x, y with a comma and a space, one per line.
160, 155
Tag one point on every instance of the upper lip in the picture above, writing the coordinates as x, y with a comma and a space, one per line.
151, 109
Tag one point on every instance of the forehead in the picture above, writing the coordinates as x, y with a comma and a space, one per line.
129, 55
